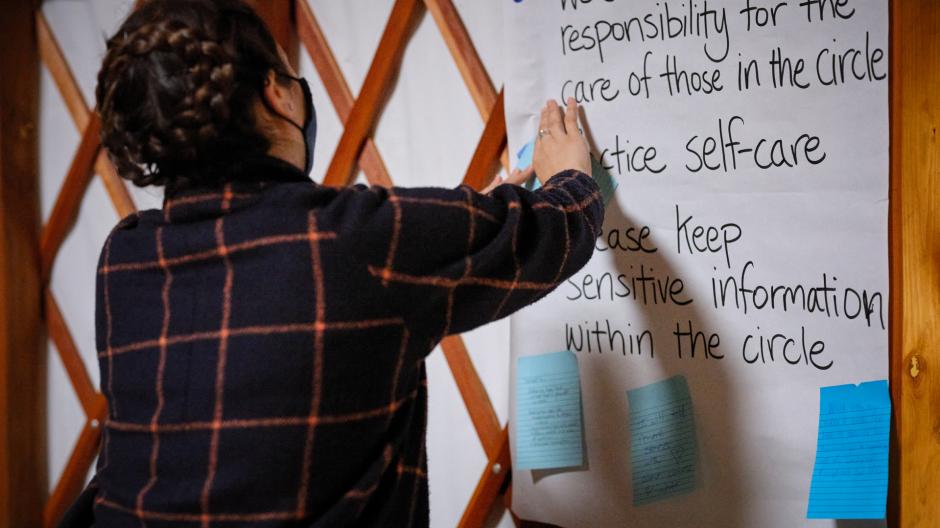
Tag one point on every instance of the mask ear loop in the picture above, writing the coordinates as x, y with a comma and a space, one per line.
267, 105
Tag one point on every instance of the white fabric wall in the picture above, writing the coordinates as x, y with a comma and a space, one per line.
426, 135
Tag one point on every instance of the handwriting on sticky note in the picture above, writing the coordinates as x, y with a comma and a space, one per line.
548, 412
850, 476
662, 440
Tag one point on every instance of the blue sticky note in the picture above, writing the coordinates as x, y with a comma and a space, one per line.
548, 412
850, 477
524, 156
662, 440
603, 178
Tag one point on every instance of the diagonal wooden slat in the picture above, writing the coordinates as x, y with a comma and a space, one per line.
467, 59
486, 156
51, 55
114, 185
365, 110
70, 196
490, 151
88, 155
489, 486
492, 144
74, 366
313, 39
473, 393
332, 77
471, 388
72, 481
67, 202
465, 54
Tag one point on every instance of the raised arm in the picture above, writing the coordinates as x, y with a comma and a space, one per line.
455, 259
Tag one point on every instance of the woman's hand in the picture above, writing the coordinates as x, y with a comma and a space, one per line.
560, 145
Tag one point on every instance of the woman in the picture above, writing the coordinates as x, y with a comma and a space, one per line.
262, 337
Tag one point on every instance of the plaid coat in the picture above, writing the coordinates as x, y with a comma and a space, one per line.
262, 344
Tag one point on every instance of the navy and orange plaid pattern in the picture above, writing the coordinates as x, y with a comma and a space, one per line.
262, 344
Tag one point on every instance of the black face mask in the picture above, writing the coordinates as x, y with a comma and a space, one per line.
309, 129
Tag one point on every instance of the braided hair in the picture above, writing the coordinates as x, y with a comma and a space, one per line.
176, 87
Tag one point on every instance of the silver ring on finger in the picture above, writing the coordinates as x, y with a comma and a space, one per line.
543, 132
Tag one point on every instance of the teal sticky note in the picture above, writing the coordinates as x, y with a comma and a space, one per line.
523, 160
603, 178
548, 412
662, 440
850, 476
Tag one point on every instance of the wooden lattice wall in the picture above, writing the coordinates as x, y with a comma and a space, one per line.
28, 307
355, 148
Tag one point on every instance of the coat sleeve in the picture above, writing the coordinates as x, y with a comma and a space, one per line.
451, 260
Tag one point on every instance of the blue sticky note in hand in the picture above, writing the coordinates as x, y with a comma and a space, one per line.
850, 477
662, 440
524, 156
548, 412
603, 178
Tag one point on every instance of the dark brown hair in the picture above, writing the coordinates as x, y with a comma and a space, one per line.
176, 87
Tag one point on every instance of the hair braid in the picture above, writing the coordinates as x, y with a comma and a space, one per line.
174, 85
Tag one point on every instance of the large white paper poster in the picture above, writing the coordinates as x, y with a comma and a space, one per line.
745, 249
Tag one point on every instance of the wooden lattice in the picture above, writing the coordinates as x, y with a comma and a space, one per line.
356, 148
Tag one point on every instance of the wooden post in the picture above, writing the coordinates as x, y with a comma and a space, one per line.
915, 257
23, 485
280, 17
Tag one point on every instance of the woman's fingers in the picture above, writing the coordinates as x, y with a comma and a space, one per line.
575, 110
571, 116
493, 184
544, 130
556, 119
561, 146
551, 122
518, 177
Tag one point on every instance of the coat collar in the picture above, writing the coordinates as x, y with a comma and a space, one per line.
249, 177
